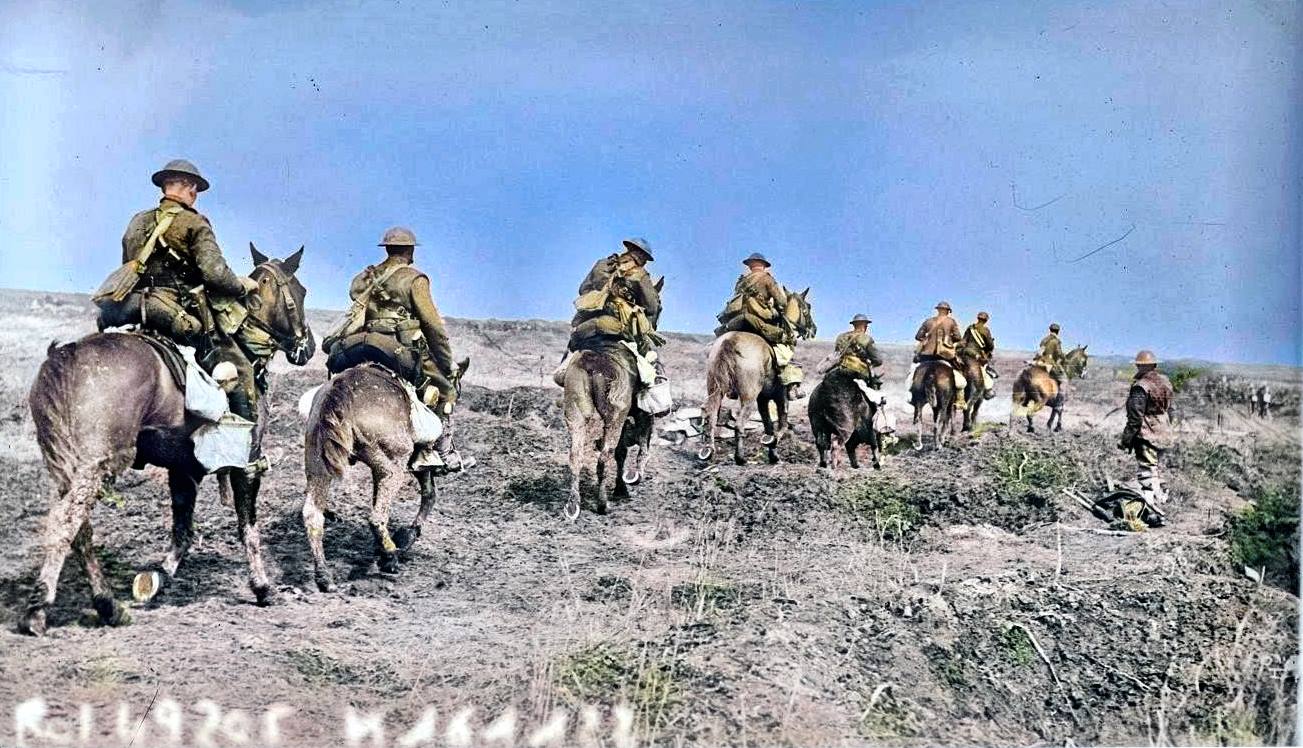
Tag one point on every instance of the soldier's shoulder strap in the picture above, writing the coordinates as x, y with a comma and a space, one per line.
163, 221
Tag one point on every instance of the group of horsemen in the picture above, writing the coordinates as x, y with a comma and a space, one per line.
188, 294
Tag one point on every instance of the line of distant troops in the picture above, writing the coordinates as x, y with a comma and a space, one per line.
188, 283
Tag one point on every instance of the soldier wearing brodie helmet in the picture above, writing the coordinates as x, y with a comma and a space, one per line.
172, 265
1148, 432
400, 327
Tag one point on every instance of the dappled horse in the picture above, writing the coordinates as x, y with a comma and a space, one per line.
600, 385
107, 402
1035, 389
363, 414
598, 404
933, 384
842, 417
743, 366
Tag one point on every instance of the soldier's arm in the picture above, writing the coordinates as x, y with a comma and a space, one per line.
431, 325
871, 351
1137, 399
595, 279
132, 240
990, 343
648, 298
921, 335
775, 292
218, 278
956, 336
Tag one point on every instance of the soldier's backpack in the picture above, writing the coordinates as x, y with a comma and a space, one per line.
122, 282
354, 318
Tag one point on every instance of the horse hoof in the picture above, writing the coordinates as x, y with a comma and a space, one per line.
773, 459
261, 594
918, 446
388, 563
877, 465
325, 583
705, 453
111, 612
768, 440
33, 623
632, 478
146, 586
405, 537
600, 507
571, 510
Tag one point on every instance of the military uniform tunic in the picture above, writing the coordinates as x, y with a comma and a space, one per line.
858, 353
631, 312
979, 343
402, 307
760, 304
937, 338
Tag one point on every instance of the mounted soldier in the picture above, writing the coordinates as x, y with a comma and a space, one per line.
174, 282
938, 340
758, 306
393, 322
619, 302
855, 351
1049, 354
979, 347
1148, 432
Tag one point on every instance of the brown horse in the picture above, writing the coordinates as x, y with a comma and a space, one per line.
599, 410
1035, 389
363, 415
742, 365
934, 384
841, 416
107, 402
974, 390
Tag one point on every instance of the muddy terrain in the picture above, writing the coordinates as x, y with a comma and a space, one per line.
958, 596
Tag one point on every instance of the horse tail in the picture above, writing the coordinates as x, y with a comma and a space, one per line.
721, 372
50, 401
329, 442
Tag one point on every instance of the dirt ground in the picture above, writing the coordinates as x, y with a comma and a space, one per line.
958, 596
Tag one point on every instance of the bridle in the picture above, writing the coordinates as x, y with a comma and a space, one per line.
297, 340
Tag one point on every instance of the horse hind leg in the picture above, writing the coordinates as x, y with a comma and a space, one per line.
714, 401
608, 467
739, 428
66, 515
314, 524
406, 537
110, 612
387, 480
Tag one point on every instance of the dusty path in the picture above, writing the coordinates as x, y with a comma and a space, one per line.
954, 597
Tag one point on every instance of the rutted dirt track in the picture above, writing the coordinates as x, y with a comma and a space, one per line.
957, 596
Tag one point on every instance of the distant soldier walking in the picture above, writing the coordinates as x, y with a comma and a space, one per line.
1148, 431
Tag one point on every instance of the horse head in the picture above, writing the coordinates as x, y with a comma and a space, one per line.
460, 372
277, 306
799, 315
1074, 363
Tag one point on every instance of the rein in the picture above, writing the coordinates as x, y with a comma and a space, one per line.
297, 336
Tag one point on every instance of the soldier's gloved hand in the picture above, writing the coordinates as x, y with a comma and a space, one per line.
250, 285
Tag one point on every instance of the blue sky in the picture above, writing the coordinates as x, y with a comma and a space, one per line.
887, 155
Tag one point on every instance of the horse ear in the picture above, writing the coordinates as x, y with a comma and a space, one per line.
806, 292
258, 257
660, 284
291, 264
463, 366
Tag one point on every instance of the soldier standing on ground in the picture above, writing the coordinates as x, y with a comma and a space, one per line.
1148, 432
